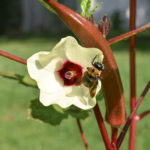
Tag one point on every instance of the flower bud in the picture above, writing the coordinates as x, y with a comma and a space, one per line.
104, 25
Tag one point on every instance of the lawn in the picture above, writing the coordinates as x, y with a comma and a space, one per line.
17, 132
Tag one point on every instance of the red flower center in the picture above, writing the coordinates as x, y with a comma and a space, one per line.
71, 73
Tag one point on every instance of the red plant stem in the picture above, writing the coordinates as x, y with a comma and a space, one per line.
141, 116
114, 138
13, 57
132, 116
102, 128
132, 55
128, 34
132, 74
82, 135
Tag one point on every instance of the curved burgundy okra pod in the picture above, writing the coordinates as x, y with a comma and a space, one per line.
90, 36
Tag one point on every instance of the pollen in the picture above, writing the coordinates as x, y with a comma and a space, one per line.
70, 73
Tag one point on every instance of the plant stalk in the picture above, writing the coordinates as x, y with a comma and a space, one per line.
102, 128
82, 135
132, 74
114, 138
144, 114
13, 57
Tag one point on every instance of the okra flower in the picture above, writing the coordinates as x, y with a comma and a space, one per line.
59, 74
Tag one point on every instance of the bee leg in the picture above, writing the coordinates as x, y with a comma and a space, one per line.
94, 59
93, 88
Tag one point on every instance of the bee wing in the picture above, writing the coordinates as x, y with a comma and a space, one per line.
99, 77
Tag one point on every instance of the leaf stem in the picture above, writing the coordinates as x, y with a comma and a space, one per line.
13, 57
141, 116
82, 135
128, 34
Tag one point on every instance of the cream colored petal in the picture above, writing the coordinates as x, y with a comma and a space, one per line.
56, 98
98, 87
53, 98
62, 100
59, 51
81, 55
83, 95
69, 49
47, 78
84, 102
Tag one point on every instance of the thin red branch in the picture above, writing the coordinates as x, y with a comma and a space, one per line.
82, 135
102, 128
132, 73
13, 57
141, 97
144, 114
114, 138
128, 34
132, 116
132, 54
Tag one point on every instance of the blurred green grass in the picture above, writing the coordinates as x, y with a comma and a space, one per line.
18, 132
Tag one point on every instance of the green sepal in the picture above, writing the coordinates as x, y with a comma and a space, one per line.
28, 81
100, 96
46, 114
78, 113
59, 109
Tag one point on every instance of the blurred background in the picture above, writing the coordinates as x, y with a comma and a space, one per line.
29, 16
26, 27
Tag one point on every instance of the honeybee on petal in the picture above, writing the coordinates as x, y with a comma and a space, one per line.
92, 75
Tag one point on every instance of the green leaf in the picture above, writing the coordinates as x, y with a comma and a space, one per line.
77, 112
47, 6
45, 114
94, 9
85, 6
88, 5
54, 114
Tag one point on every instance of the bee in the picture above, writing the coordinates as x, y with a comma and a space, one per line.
92, 75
